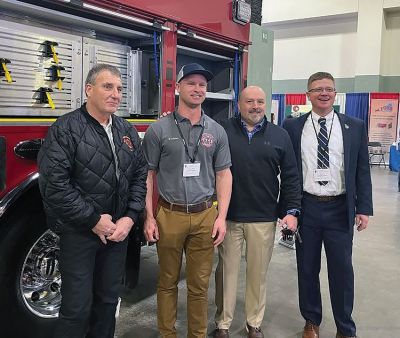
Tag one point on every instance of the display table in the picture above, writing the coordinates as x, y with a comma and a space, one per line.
394, 158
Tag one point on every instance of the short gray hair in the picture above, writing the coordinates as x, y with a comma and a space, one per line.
97, 69
319, 76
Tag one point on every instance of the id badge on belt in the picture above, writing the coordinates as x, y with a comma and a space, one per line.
191, 169
322, 175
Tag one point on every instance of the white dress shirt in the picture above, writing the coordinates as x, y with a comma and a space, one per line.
309, 146
108, 128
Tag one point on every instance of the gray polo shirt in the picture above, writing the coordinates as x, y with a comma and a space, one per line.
165, 153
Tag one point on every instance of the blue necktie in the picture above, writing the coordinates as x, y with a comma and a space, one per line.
323, 150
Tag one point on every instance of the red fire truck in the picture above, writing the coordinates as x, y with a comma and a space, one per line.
46, 50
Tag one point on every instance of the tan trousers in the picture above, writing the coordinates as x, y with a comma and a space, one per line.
190, 233
259, 239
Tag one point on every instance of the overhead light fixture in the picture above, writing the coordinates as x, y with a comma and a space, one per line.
241, 12
215, 42
122, 16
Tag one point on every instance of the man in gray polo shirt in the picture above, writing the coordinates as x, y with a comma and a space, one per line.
189, 154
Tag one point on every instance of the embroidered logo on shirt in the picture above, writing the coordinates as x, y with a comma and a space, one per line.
207, 140
128, 142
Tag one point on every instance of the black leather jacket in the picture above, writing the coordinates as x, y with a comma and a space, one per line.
77, 169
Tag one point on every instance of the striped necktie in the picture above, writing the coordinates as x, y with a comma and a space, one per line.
323, 150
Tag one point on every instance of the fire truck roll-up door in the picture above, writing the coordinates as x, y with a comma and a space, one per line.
48, 70
126, 60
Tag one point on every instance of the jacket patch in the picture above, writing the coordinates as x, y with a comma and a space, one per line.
128, 142
207, 140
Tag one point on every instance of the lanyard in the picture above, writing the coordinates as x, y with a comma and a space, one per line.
196, 149
330, 130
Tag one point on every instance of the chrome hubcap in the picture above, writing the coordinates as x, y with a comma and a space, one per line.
40, 278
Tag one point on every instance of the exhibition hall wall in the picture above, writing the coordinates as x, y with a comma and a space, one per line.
358, 41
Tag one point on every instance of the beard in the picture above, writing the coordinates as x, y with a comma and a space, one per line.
255, 115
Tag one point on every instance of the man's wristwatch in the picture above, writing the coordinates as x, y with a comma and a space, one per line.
293, 212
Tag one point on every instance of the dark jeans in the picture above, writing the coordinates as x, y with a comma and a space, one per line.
91, 275
326, 223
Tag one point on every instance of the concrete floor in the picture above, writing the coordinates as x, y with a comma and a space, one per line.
377, 271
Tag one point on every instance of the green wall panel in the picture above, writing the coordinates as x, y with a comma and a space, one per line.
359, 84
344, 85
261, 53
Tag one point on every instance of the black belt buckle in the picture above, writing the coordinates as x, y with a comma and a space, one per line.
198, 207
187, 208
192, 208
323, 198
326, 198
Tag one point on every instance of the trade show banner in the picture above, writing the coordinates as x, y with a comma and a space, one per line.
383, 121
297, 110
301, 109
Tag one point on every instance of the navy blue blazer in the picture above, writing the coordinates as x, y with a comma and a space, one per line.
356, 161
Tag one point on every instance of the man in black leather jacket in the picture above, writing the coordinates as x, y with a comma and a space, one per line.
93, 184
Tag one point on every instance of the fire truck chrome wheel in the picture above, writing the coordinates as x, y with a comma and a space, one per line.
40, 278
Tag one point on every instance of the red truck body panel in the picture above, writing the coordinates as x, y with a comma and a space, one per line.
212, 16
18, 169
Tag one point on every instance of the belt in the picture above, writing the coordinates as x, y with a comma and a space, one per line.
187, 208
324, 198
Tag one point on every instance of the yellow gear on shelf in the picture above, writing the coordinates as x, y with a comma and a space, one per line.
55, 57
59, 84
6, 72
51, 103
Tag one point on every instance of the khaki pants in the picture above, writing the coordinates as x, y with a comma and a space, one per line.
259, 237
190, 233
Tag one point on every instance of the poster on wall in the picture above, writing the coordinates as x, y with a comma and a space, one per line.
301, 109
297, 110
383, 121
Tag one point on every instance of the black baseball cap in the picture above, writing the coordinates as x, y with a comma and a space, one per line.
193, 68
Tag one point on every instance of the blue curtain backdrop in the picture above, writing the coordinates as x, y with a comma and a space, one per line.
357, 105
281, 110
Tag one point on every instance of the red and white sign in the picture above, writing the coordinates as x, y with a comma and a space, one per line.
383, 121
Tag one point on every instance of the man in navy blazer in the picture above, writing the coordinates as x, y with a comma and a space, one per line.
332, 159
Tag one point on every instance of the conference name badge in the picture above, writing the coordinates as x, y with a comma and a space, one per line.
191, 169
322, 175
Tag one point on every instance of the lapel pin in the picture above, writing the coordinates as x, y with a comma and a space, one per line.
346, 126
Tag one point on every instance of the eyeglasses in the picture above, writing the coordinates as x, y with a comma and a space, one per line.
321, 90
